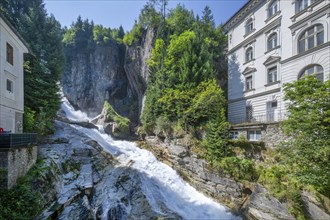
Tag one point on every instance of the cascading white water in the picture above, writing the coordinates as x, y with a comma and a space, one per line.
160, 183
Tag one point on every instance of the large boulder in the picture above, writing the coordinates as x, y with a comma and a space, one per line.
113, 123
260, 205
314, 209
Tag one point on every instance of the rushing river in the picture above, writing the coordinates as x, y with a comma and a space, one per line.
160, 183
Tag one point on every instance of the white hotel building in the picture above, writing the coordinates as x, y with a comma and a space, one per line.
270, 43
12, 49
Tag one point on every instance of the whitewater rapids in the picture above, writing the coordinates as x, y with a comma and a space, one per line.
160, 183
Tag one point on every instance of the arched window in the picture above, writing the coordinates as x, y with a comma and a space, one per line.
249, 26
315, 69
272, 41
249, 54
312, 37
302, 4
272, 8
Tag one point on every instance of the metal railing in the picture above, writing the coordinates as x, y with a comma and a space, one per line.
266, 118
17, 140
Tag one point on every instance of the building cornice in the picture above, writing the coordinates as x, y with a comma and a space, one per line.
241, 14
317, 13
15, 32
255, 95
327, 44
261, 31
249, 70
271, 60
10, 107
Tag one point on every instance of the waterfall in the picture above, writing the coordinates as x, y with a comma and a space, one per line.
160, 183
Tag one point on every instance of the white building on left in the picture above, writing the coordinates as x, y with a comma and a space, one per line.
12, 49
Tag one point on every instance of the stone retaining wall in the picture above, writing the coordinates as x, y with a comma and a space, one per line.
15, 163
271, 134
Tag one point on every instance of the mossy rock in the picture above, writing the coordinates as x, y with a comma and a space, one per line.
120, 125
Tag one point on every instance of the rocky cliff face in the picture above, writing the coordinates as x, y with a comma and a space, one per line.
136, 66
92, 77
109, 73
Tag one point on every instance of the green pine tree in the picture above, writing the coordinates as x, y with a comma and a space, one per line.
216, 139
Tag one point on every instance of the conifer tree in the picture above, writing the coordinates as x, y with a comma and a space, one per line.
216, 139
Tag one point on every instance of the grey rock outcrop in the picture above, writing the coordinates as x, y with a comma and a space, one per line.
92, 77
252, 202
260, 205
136, 65
81, 180
110, 73
314, 209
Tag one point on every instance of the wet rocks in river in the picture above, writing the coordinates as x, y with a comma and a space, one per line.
83, 181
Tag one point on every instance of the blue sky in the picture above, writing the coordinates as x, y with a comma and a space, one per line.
113, 13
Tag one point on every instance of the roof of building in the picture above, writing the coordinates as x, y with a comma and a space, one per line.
239, 14
16, 32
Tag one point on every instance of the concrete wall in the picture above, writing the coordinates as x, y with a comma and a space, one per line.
15, 163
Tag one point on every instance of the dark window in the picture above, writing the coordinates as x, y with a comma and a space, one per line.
272, 41
316, 70
303, 4
249, 54
273, 8
249, 113
233, 135
274, 104
272, 75
10, 54
10, 87
249, 26
312, 37
248, 83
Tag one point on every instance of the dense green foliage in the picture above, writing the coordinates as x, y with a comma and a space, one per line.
302, 163
216, 139
83, 35
22, 201
44, 66
182, 85
309, 124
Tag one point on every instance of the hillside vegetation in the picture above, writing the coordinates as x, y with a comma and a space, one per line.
184, 98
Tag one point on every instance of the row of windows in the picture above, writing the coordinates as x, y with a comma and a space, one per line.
10, 59
252, 135
273, 8
310, 38
314, 69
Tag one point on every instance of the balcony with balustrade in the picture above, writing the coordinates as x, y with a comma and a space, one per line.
12, 140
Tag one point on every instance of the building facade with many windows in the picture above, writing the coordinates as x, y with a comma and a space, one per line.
270, 43
12, 48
